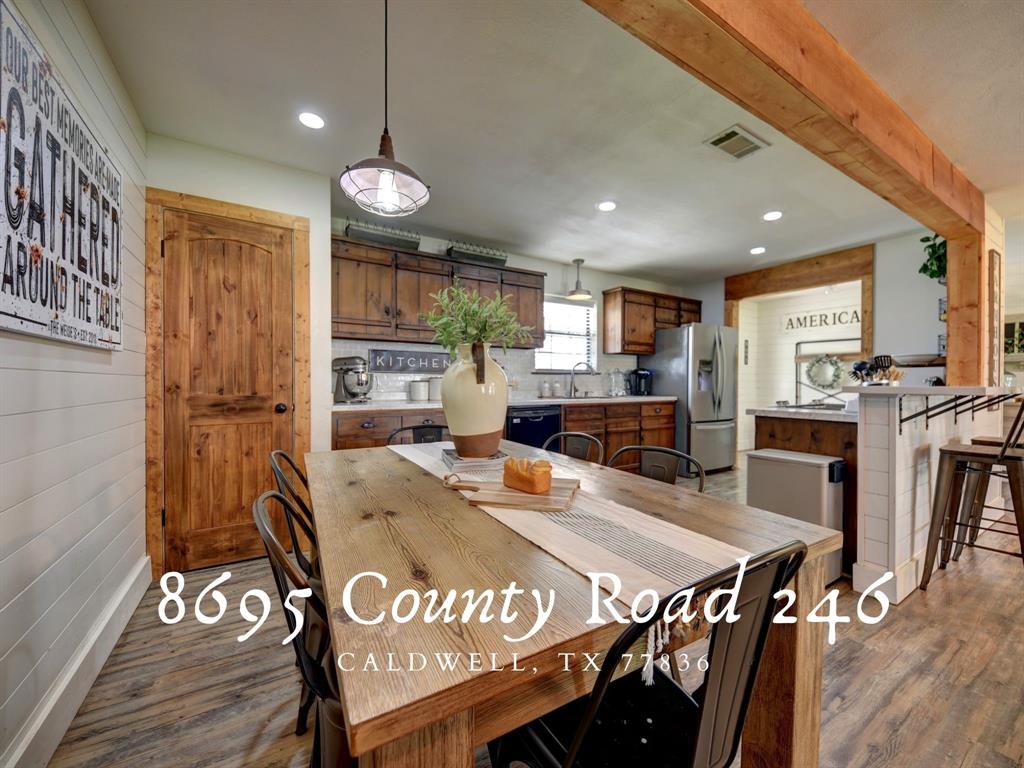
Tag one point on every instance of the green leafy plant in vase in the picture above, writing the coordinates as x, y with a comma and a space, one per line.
935, 258
474, 390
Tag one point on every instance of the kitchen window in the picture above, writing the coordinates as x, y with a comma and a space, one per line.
570, 335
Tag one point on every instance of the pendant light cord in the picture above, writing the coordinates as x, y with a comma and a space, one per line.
385, 66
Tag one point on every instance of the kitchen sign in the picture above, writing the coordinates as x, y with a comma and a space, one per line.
408, 361
60, 230
831, 318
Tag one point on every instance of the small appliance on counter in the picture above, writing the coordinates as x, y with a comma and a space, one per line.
638, 382
616, 384
354, 381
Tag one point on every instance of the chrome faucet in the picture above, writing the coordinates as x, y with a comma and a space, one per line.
572, 376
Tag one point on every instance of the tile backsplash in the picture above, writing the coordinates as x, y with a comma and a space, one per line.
517, 363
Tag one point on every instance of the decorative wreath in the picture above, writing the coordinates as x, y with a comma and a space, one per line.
825, 371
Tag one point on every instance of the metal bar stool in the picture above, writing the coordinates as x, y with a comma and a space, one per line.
421, 433
577, 445
972, 515
953, 518
660, 463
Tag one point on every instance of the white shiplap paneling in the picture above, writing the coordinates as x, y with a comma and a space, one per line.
72, 479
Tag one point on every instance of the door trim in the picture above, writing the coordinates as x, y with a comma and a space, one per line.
157, 201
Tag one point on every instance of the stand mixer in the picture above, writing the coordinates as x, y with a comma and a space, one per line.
353, 382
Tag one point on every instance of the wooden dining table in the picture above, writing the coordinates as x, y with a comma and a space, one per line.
377, 510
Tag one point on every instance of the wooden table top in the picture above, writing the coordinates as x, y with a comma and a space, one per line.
376, 511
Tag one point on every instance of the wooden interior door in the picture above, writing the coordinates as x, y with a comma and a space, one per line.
228, 398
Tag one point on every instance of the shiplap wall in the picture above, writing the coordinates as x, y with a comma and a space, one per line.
72, 551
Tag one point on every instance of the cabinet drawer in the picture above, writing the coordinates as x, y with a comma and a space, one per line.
363, 426
425, 417
668, 318
624, 411
652, 410
587, 414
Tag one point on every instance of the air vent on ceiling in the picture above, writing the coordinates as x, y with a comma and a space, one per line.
737, 142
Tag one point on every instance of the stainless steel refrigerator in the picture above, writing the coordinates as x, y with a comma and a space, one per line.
697, 364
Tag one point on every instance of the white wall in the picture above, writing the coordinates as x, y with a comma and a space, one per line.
1014, 280
712, 296
769, 374
183, 167
72, 483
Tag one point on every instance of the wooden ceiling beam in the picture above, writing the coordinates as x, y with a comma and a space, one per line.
775, 60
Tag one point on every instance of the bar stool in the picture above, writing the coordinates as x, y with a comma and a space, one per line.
950, 514
976, 488
577, 445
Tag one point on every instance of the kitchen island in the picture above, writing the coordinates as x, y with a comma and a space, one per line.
823, 432
901, 430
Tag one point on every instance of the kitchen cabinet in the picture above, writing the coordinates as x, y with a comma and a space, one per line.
362, 291
380, 293
624, 424
370, 429
416, 278
632, 316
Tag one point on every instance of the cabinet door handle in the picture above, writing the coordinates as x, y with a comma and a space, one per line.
398, 312
387, 311
428, 421
657, 410
367, 425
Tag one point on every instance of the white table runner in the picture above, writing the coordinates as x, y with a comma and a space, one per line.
597, 534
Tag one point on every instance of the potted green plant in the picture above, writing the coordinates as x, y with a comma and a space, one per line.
935, 262
474, 390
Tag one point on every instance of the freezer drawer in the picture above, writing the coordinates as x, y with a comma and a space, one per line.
713, 444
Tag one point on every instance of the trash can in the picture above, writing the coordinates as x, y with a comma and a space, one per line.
804, 486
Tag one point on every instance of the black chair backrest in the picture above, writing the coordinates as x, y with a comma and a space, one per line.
733, 657
577, 445
1014, 435
288, 489
421, 433
660, 463
288, 577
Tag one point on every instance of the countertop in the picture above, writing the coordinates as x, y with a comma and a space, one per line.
426, 405
813, 414
937, 391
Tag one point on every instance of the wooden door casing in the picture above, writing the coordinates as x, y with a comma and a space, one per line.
228, 336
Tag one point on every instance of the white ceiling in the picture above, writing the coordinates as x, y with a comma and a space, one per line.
520, 115
957, 68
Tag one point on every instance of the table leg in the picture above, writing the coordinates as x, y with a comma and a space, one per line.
783, 725
1015, 475
447, 743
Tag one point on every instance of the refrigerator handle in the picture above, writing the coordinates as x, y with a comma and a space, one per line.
720, 368
715, 373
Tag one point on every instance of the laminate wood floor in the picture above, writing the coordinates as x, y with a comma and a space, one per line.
938, 684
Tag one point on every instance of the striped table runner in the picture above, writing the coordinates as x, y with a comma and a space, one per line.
599, 535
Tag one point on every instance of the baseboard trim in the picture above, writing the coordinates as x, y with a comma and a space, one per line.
41, 735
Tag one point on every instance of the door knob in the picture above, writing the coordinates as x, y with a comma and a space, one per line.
280, 408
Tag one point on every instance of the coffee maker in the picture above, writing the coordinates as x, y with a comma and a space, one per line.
639, 380
354, 381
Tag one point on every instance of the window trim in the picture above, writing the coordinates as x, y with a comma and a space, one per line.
594, 339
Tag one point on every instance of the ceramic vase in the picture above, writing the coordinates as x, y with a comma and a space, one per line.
474, 394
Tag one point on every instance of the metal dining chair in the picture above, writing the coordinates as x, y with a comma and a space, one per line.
661, 464
577, 445
421, 433
628, 722
314, 654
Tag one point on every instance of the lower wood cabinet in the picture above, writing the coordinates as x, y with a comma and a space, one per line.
624, 424
370, 429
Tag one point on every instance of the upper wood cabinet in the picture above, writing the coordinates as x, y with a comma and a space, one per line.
632, 316
380, 293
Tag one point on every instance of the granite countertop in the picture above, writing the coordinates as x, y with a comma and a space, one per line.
426, 405
814, 414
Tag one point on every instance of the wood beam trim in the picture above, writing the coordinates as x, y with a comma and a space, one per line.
774, 59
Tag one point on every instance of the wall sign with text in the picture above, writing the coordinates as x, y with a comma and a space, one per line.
408, 361
844, 317
60, 230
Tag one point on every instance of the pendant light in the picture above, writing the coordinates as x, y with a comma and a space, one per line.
381, 184
579, 293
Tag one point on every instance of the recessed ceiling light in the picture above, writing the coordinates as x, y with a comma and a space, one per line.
606, 206
311, 120
757, 251
772, 216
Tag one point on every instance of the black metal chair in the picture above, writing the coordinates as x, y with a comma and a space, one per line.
421, 433
626, 722
310, 565
577, 445
660, 463
316, 660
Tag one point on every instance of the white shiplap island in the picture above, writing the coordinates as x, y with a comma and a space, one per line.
897, 462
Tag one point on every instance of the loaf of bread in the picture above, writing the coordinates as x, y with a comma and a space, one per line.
527, 476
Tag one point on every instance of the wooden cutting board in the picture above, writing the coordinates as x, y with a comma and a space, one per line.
495, 494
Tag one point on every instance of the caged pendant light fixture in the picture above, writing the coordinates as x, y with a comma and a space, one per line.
381, 184
578, 293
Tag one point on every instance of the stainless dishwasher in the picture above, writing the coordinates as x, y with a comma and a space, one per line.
533, 425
